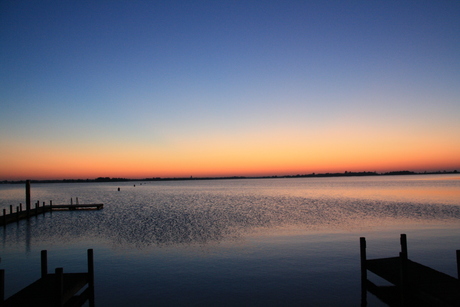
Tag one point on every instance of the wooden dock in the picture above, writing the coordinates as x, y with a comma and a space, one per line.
412, 284
58, 289
28, 212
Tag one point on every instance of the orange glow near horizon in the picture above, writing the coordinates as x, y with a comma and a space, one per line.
264, 157
259, 152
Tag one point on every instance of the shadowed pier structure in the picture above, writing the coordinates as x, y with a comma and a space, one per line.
413, 284
58, 289
28, 212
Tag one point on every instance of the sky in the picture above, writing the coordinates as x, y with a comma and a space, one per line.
141, 89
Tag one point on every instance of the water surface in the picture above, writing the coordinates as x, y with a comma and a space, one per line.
234, 242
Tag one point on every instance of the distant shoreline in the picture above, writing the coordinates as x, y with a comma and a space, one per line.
312, 175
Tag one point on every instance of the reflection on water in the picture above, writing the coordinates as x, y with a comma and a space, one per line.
232, 242
205, 212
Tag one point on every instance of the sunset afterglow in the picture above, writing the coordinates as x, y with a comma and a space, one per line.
177, 89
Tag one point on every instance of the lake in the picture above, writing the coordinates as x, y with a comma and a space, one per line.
245, 242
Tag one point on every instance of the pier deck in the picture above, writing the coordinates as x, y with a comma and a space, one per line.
21, 214
58, 289
414, 284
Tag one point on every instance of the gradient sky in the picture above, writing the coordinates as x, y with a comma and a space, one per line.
142, 89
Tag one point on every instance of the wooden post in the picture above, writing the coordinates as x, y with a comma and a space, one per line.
44, 263
403, 268
403, 277
458, 263
2, 286
20, 207
90, 267
28, 194
404, 246
17, 213
59, 286
4, 217
91, 277
11, 209
362, 245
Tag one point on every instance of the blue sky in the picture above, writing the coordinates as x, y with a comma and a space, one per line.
163, 78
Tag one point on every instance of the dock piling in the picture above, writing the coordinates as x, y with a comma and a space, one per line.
458, 263
362, 245
44, 263
59, 286
28, 194
403, 240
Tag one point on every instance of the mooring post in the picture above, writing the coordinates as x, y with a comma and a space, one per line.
27, 194
404, 246
11, 209
403, 257
91, 276
17, 213
458, 263
59, 286
362, 245
4, 217
20, 207
91, 265
44, 263
2, 286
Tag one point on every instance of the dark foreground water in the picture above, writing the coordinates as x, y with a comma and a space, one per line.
270, 242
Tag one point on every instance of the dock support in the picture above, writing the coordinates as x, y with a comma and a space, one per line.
403, 240
44, 263
458, 264
59, 286
362, 245
27, 195
91, 277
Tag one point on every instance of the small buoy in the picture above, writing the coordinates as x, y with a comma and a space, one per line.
134, 185
118, 189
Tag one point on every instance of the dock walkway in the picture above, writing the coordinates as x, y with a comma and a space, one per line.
58, 289
413, 284
21, 214
29, 212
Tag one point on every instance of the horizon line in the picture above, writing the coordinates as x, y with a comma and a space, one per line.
313, 174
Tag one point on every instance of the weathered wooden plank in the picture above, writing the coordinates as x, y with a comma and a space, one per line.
58, 289
416, 282
20, 214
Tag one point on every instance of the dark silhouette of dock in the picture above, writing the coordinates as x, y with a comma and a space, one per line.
58, 289
28, 212
413, 284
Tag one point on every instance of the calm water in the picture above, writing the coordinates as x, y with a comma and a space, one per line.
266, 242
